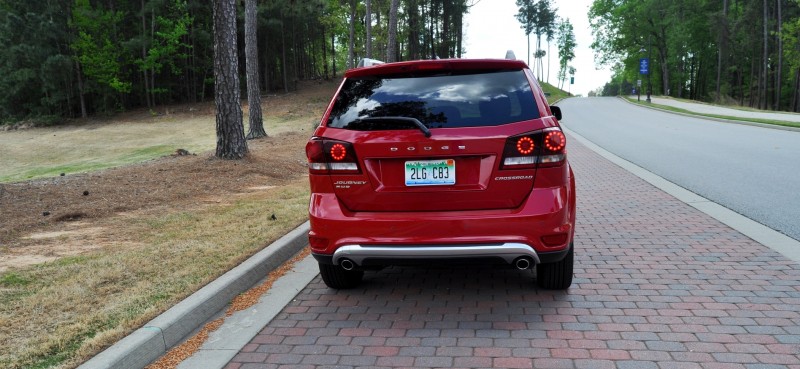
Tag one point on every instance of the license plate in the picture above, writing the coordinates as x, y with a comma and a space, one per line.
430, 172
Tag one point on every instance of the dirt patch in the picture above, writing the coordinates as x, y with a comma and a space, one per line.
46, 219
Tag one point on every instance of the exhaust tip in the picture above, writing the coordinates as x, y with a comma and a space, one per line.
347, 264
522, 263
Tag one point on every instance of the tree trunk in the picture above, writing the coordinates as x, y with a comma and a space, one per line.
796, 93
369, 29
529, 52
740, 80
333, 52
663, 56
267, 55
765, 71
296, 74
460, 32
231, 143
413, 30
81, 94
191, 79
444, 37
778, 78
721, 50
284, 69
391, 44
754, 94
324, 53
251, 64
153, 68
351, 41
431, 28
145, 77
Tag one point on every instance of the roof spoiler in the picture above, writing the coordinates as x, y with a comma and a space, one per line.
367, 62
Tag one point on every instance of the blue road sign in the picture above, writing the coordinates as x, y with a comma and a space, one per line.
644, 66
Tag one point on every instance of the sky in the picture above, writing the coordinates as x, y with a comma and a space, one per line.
492, 29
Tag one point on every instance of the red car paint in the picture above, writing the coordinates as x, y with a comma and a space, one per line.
510, 186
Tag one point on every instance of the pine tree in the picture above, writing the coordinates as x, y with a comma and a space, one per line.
251, 61
231, 143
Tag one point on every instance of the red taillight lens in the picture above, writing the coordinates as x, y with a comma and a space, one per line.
553, 153
520, 152
329, 156
555, 141
338, 152
525, 145
543, 148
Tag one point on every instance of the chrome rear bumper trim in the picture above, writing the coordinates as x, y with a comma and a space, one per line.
507, 251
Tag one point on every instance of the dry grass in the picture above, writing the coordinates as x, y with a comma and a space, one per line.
124, 267
65, 311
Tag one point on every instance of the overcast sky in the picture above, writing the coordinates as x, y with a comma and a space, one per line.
491, 29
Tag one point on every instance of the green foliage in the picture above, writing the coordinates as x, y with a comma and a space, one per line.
538, 17
691, 42
167, 45
553, 93
35, 65
791, 42
566, 48
94, 46
60, 56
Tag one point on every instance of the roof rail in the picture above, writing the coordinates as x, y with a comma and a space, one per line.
367, 62
510, 55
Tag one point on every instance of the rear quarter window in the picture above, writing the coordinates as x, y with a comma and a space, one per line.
438, 101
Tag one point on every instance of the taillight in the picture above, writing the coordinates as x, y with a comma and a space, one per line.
520, 152
553, 152
526, 151
330, 156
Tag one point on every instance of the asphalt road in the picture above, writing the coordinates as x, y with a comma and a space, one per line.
751, 170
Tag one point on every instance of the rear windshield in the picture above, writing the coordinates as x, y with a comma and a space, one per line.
441, 101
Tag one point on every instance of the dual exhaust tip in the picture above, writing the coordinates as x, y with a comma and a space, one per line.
347, 264
521, 263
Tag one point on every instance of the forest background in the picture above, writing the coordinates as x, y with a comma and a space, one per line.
734, 52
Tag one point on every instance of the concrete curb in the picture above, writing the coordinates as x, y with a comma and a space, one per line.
150, 342
240, 328
745, 123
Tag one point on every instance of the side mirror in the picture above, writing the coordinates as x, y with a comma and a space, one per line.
556, 112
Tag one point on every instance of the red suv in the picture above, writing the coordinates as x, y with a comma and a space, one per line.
444, 161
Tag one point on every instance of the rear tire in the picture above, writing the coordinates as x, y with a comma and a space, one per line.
337, 278
558, 275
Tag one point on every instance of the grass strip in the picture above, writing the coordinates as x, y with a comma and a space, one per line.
727, 117
553, 93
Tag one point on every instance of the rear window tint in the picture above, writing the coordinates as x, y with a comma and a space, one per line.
441, 101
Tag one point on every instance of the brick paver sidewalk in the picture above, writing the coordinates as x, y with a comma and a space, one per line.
658, 285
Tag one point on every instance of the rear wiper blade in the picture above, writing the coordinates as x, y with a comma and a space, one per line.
415, 121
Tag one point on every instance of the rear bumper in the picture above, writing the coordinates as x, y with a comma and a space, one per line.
389, 255
546, 212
